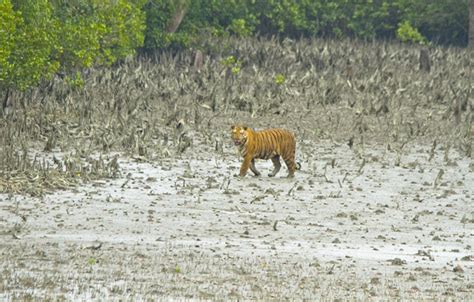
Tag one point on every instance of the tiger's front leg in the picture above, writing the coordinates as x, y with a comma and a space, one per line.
245, 165
276, 165
253, 168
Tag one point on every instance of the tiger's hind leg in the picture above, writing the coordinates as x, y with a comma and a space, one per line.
276, 165
253, 168
290, 163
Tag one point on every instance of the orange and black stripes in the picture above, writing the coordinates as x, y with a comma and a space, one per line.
267, 144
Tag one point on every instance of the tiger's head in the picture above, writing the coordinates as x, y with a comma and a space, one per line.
240, 135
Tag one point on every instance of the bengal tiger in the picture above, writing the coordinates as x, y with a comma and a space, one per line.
265, 144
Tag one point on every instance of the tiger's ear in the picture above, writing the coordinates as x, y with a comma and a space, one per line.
232, 127
245, 128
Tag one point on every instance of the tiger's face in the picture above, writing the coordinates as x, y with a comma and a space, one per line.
239, 135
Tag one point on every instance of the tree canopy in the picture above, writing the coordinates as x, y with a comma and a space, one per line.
39, 38
438, 21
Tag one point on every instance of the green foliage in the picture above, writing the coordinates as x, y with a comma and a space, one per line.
280, 16
28, 51
10, 22
279, 79
232, 63
373, 19
202, 17
158, 15
240, 28
125, 26
229, 61
407, 33
235, 69
96, 32
41, 37
441, 21
75, 81
445, 21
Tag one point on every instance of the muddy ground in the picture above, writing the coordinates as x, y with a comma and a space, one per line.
186, 227
381, 210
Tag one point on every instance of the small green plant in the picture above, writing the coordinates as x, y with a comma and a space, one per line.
177, 269
232, 63
279, 79
229, 61
92, 261
407, 33
75, 81
235, 69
